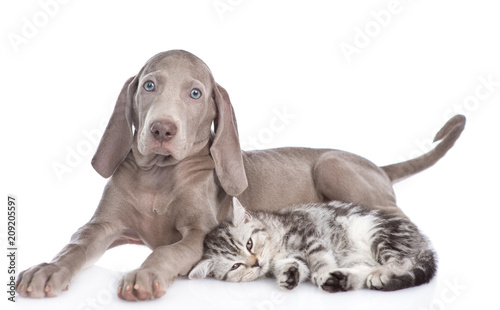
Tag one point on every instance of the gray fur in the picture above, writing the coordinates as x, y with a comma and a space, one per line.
337, 246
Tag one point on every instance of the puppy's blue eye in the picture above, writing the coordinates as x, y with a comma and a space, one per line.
149, 86
195, 93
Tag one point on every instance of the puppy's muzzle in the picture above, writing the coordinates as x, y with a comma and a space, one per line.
163, 131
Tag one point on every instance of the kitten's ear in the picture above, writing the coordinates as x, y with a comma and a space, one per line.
202, 269
240, 215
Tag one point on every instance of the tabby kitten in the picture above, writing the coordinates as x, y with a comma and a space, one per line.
338, 246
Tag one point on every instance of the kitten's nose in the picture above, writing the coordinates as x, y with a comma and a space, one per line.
256, 264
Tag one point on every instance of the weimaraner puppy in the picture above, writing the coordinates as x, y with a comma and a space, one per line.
173, 179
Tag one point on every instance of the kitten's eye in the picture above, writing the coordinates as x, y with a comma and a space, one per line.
249, 244
195, 93
149, 86
236, 266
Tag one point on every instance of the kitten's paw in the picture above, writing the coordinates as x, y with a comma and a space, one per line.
337, 282
290, 278
378, 279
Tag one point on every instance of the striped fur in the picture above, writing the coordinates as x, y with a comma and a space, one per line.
337, 246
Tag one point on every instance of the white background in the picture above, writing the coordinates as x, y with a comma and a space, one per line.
59, 85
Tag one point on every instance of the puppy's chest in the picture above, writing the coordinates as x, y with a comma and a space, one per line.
161, 201
154, 203
154, 195
155, 223
156, 215
165, 190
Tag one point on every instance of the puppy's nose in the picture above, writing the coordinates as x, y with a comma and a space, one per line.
163, 131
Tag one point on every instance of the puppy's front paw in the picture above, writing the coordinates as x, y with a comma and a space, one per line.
143, 284
44, 280
335, 283
290, 278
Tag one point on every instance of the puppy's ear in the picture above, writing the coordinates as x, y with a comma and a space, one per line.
225, 148
116, 142
202, 270
240, 215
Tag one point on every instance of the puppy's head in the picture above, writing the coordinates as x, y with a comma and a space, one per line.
165, 113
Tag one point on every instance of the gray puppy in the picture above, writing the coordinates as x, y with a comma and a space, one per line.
172, 178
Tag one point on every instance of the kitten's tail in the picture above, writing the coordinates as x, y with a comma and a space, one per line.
447, 135
422, 272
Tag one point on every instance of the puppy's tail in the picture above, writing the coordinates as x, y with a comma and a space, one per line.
447, 135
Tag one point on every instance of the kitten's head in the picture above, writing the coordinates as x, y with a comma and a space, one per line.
237, 251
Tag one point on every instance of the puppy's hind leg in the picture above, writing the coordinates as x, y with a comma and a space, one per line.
350, 178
